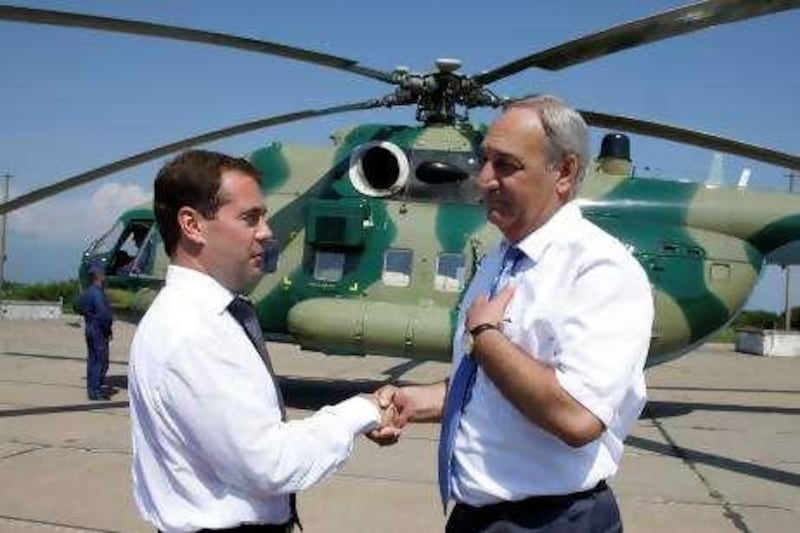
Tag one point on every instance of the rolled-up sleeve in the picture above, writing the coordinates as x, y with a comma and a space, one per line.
604, 329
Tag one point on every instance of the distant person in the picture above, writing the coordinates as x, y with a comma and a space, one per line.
551, 340
94, 306
212, 449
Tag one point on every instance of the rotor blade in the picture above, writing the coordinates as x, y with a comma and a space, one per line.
693, 137
155, 153
61, 18
678, 21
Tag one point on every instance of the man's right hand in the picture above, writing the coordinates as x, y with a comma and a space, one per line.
394, 415
415, 403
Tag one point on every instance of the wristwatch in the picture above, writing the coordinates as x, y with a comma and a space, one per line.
472, 334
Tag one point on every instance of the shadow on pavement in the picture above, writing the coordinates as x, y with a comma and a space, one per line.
72, 408
117, 381
710, 459
662, 409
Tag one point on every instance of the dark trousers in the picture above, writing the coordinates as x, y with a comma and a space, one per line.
96, 360
592, 511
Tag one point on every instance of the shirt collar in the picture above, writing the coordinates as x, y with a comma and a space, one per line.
204, 288
535, 243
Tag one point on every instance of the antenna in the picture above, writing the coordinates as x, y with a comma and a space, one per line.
787, 268
716, 172
744, 178
6, 179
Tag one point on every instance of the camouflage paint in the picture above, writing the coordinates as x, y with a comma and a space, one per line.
709, 253
274, 167
277, 293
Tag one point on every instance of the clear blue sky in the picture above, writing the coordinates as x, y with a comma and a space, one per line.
73, 99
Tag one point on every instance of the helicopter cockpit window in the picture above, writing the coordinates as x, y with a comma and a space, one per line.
106, 243
141, 263
449, 272
133, 244
328, 266
397, 267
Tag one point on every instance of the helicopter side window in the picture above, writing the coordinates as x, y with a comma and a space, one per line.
397, 267
328, 266
450, 270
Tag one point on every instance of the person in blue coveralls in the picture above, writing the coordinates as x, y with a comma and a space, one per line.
96, 311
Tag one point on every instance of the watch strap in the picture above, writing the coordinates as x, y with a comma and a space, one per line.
480, 328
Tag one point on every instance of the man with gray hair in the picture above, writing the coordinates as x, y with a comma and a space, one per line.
549, 349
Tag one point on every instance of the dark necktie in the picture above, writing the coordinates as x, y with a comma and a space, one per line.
243, 311
458, 392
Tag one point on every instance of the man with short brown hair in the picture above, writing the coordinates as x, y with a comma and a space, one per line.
211, 447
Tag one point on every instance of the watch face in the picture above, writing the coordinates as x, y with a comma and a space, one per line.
468, 342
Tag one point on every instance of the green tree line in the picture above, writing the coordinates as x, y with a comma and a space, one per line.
54, 291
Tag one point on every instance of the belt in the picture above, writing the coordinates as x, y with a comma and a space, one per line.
255, 528
556, 500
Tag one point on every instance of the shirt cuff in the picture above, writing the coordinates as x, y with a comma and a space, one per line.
360, 414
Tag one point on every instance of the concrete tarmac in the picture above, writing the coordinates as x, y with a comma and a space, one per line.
717, 450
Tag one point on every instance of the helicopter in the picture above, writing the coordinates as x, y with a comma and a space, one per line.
377, 236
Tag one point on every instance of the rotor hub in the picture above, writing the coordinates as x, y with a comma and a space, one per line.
439, 94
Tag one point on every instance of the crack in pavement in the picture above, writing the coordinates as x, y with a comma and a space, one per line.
736, 519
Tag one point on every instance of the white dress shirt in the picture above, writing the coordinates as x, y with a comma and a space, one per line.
209, 447
582, 305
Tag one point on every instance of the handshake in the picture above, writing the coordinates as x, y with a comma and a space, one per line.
396, 409
401, 405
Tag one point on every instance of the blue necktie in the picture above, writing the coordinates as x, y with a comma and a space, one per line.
458, 392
